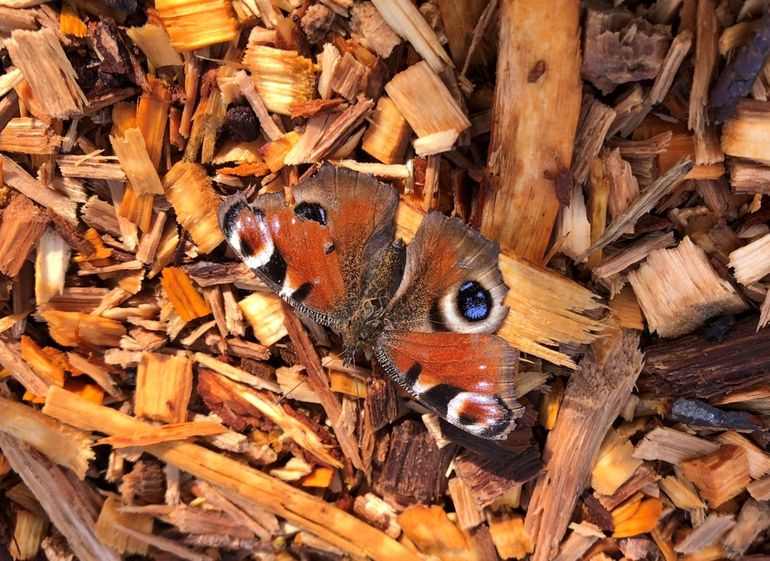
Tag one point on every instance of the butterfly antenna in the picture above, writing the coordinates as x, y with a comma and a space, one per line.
287, 394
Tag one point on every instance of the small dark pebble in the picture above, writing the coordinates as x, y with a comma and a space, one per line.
700, 414
241, 123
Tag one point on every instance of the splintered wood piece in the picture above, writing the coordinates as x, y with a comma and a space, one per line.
748, 178
155, 43
404, 18
151, 117
68, 447
572, 226
29, 136
265, 313
682, 493
706, 52
246, 402
752, 261
709, 533
672, 446
639, 207
720, 475
431, 531
50, 75
236, 374
621, 47
696, 367
23, 223
425, 102
136, 163
580, 540
529, 150
111, 520
414, 468
282, 78
97, 372
91, 166
538, 317
369, 27
746, 133
677, 52
185, 298
20, 370
678, 290
753, 519
593, 399
192, 24
615, 464
249, 485
165, 433
388, 134
249, 91
324, 134
317, 379
51, 263
28, 533
636, 516
64, 499
759, 461
595, 120
378, 513
163, 387
188, 189
262, 524
632, 254
349, 76
468, 512
42, 362
274, 152
73, 329
510, 537
493, 476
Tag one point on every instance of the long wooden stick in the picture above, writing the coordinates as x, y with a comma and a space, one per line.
310, 513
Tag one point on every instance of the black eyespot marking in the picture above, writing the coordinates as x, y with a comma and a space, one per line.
440, 395
328, 248
246, 248
465, 419
302, 292
311, 211
275, 269
474, 301
413, 373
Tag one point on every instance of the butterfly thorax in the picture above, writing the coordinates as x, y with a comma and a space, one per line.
367, 320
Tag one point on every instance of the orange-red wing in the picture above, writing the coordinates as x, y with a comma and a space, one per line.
316, 253
291, 255
360, 212
467, 379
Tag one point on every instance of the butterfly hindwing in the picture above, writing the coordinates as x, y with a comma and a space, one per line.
314, 253
465, 378
451, 281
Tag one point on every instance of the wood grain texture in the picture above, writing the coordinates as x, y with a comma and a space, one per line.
536, 110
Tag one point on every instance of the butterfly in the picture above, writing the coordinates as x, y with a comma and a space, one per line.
426, 312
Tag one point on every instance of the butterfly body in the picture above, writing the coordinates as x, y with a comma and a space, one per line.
426, 312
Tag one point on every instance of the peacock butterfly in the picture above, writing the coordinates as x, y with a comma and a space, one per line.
427, 312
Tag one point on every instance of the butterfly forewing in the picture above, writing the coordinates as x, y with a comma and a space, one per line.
315, 252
